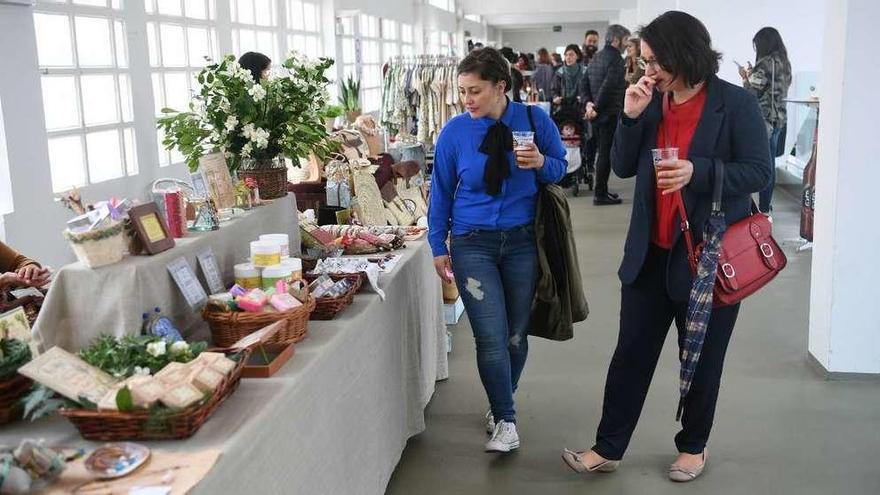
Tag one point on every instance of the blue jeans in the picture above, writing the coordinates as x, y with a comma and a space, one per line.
765, 197
496, 274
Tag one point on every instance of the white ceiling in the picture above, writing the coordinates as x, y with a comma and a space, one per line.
516, 14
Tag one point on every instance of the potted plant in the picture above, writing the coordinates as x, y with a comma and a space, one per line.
331, 113
255, 124
350, 98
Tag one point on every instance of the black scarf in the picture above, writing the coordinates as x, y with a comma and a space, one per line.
496, 144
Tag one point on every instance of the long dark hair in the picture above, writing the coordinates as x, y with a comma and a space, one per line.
256, 63
767, 42
682, 46
544, 57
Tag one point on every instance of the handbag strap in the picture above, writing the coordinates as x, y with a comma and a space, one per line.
717, 192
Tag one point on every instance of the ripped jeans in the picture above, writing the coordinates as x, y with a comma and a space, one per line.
496, 273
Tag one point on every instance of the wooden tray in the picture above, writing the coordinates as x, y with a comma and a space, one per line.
279, 355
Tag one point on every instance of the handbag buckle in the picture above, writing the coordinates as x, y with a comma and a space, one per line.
728, 270
767, 250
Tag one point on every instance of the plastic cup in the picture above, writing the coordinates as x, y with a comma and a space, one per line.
523, 139
663, 154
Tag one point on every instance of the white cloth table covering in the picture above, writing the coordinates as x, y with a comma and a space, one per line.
336, 418
84, 303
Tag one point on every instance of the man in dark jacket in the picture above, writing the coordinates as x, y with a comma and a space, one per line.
608, 81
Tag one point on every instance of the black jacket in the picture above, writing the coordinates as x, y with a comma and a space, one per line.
608, 82
731, 129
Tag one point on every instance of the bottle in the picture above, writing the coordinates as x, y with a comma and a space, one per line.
808, 194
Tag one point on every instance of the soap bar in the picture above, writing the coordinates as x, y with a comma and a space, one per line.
181, 395
145, 390
173, 373
284, 302
223, 365
108, 402
253, 301
207, 379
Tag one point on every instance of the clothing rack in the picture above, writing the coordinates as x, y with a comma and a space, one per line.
419, 96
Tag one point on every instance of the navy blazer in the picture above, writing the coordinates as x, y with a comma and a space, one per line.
731, 129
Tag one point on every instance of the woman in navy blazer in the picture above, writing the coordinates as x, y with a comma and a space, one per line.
725, 124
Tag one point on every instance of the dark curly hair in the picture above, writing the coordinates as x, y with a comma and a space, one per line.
682, 46
489, 64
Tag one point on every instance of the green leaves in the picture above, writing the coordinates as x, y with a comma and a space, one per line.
15, 355
124, 401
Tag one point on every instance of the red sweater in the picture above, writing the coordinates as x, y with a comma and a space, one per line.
676, 130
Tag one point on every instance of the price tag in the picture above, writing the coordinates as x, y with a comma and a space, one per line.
188, 283
211, 270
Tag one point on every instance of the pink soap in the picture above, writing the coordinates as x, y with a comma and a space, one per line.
284, 302
253, 301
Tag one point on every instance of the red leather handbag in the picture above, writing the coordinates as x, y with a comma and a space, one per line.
750, 258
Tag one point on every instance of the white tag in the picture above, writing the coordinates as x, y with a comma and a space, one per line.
211, 270
188, 283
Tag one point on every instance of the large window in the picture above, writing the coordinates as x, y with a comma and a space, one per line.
182, 40
440, 43
447, 5
304, 25
371, 68
254, 27
86, 89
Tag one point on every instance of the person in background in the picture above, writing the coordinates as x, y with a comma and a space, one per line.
544, 76
257, 63
591, 46
633, 71
769, 80
680, 102
557, 60
484, 193
608, 82
571, 89
515, 74
522, 62
17, 270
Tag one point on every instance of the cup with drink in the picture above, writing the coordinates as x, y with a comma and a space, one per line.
523, 140
662, 155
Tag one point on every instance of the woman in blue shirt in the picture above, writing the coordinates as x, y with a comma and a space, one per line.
484, 194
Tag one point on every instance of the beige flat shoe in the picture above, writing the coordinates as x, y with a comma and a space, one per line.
573, 459
683, 475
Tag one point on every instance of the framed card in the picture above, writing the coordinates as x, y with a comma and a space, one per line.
14, 325
151, 228
211, 270
217, 180
188, 283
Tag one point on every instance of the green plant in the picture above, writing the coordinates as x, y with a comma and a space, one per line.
242, 118
350, 94
123, 357
333, 111
15, 355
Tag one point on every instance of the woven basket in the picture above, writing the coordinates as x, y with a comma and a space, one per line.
272, 182
328, 308
98, 247
12, 391
359, 279
114, 426
228, 327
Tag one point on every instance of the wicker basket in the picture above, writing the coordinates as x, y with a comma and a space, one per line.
98, 247
114, 426
228, 327
272, 182
359, 279
12, 391
328, 308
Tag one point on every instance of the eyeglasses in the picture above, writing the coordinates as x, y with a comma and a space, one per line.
644, 64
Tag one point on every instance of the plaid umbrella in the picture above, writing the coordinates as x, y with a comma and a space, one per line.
700, 303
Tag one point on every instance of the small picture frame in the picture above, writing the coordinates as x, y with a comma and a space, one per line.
151, 228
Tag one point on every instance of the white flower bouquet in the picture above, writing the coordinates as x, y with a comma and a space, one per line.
245, 119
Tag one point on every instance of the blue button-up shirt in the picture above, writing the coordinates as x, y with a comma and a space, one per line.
459, 201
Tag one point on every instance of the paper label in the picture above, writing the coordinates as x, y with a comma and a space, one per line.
188, 283
266, 259
152, 227
211, 270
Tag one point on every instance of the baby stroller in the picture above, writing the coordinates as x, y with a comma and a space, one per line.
571, 128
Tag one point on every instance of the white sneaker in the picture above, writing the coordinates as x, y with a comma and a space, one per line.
490, 422
504, 438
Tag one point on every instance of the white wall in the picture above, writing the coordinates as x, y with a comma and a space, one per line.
531, 39
844, 314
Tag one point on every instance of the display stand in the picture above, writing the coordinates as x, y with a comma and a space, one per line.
808, 191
